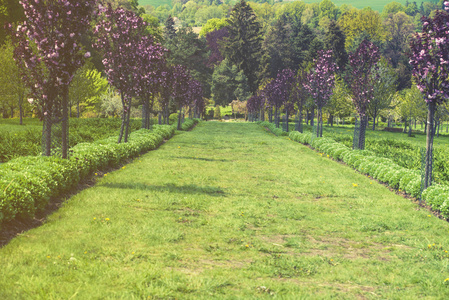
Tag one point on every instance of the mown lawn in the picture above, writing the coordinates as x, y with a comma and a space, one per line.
229, 211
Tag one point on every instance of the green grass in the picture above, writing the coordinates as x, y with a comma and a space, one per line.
228, 211
155, 3
13, 125
374, 4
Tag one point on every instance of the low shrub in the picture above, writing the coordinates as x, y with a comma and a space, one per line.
189, 123
27, 183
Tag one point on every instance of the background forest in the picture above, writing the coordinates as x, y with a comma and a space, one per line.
288, 35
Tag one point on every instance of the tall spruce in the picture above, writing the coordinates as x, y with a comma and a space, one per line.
335, 40
243, 48
170, 30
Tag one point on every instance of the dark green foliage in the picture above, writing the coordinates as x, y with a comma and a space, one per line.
335, 41
11, 11
27, 183
228, 84
300, 40
243, 48
278, 47
190, 51
170, 31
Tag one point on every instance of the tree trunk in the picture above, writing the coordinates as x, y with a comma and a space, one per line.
65, 123
122, 127
300, 119
410, 128
46, 134
286, 117
363, 123
276, 117
429, 145
319, 122
21, 109
374, 121
312, 117
179, 118
77, 109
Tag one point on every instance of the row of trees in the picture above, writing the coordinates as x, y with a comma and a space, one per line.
48, 52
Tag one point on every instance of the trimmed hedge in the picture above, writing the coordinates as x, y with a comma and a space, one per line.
382, 169
189, 123
272, 127
27, 183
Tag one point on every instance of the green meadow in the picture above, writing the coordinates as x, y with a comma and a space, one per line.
230, 211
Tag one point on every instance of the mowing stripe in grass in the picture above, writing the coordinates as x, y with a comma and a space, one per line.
229, 211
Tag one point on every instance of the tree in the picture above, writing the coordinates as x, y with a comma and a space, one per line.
335, 41
278, 93
430, 60
214, 38
321, 83
243, 47
384, 78
399, 27
213, 24
150, 59
190, 51
48, 53
180, 89
361, 65
87, 84
11, 12
118, 32
170, 31
357, 22
12, 87
300, 94
228, 83
278, 47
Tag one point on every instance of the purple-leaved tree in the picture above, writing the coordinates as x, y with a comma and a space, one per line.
48, 52
429, 57
361, 83
180, 89
119, 33
278, 93
320, 83
147, 76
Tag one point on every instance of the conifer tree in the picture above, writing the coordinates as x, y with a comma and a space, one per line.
243, 48
335, 40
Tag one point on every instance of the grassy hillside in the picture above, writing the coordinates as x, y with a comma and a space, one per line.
374, 4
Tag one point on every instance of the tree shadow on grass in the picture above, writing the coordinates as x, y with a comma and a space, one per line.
200, 158
170, 188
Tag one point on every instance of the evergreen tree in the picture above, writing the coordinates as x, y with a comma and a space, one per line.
335, 40
300, 39
243, 48
228, 84
277, 45
170, 31
186, 49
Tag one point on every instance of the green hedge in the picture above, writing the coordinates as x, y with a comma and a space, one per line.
272, 127
27, 183
381, 168
189, 123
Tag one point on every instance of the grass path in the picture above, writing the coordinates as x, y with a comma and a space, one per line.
229, 211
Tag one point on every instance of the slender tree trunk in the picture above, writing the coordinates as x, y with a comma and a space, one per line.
410, 128
122, 127
77, 109
65, 123
128, 115
21, 109
286, 117
374, 121
363, 123
179, 118
318, 131
300, 119
276, 117
312, 117
144, 113
429, 145
159, 118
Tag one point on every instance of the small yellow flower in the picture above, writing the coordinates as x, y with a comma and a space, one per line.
247, 246
132, 252
96, 174
355, 185
107, 219
48, 256
85, 252
123, 167
106, 174
179, 147
430, 246
328, 156
95, 218
371, 182
429, 215
446, 280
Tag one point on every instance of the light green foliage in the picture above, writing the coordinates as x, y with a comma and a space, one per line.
217, 113
213, 24
86, 89
29, 182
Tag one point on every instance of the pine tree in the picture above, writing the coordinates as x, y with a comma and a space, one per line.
335, 40
243, 48
170, 31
